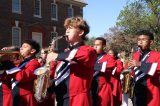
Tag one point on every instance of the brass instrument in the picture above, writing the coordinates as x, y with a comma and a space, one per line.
9, 59
126, 81
126, 85
43, 79
8, 53
11, 55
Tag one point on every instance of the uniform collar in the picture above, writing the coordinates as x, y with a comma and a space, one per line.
76, 45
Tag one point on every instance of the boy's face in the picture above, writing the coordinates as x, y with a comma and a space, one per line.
73, 34
144, 42
98, 46
26, 50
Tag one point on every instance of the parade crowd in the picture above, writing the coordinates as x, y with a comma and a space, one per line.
81, 75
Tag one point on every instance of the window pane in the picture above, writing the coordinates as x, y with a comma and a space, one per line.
70, 12
16, 36
37, 7
16, 5
53, 11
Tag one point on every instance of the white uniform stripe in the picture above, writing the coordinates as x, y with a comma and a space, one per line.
58, 81
0, 83
59, 74
103, 66
137, 71
72, 54
114, 70
14, 84
64, 73
153, 69
59, 66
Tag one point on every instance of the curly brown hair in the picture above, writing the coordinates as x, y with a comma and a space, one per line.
78, 22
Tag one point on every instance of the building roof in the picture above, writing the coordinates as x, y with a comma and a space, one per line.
82, 1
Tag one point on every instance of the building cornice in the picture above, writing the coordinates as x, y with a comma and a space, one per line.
79, 3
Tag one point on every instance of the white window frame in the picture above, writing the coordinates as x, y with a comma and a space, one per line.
19, 7
56, 43
40, 10
54, 18
68, 11
19, 36
39, 35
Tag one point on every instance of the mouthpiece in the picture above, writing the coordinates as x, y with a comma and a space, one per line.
57, 38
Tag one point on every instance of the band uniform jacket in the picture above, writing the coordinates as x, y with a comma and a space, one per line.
5, 83
101, 84
75, 89
147, 84
5, 91
116, 83
22, 85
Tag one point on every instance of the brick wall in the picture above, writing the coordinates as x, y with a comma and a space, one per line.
28, 23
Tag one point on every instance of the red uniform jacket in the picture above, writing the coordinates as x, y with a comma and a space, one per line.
146, 77
101, 85
5, 83
5, 91
116, 83
74, 90
22, 85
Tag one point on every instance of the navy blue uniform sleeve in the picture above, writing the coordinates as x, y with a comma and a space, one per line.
6, 65
97, 66
62, 56
145, 67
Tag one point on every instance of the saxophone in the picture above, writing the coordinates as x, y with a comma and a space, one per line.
42, 82
127, 79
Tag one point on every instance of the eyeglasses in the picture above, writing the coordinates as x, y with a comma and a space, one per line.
143, 39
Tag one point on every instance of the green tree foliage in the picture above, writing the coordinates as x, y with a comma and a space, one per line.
132, 17
89, 41
118, 40
141, 14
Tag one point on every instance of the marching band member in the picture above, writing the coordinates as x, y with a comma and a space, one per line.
6, 62
23, 76
74, 72
42, 58
5, 89
101, 86
115, 79
49, 101
146, 64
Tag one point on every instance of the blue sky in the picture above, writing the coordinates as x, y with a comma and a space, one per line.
102, 14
